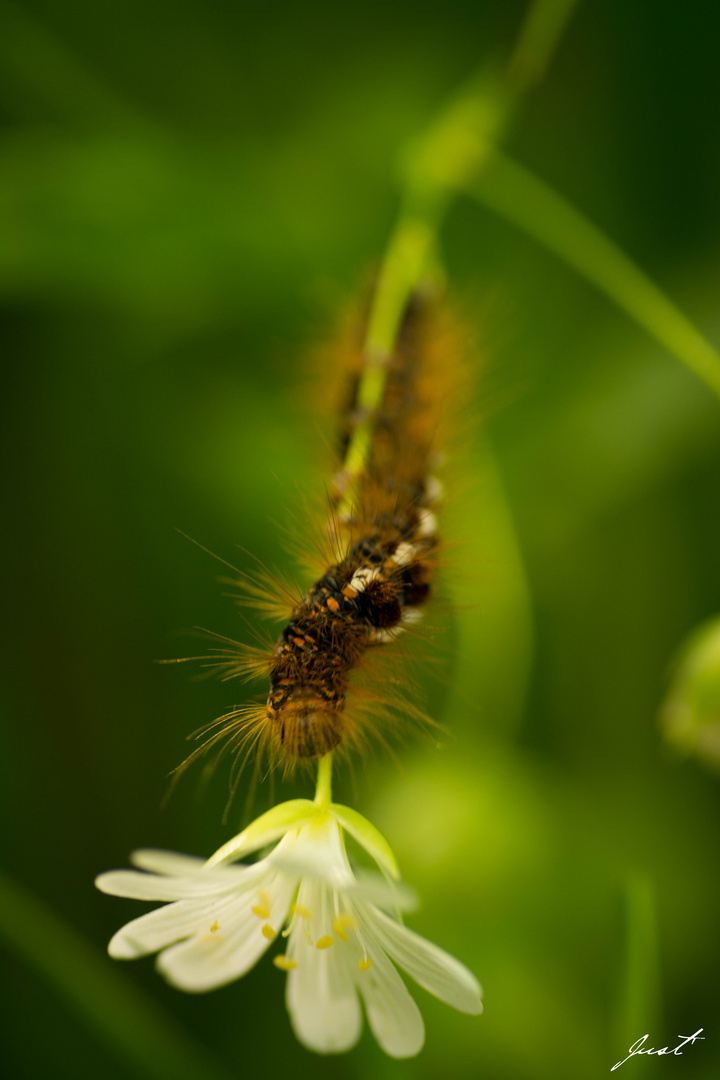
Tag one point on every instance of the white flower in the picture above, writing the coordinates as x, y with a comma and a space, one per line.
340, 939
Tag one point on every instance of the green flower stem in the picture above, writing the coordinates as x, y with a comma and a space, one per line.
640, 1007
540, 33
443, 159
518, 195
323, 791
454, 148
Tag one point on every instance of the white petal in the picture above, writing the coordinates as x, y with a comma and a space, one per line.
141, 886
212, 959
209, 960
435, 970
382, 892
306, 861
393, 1015
166, 862
315, 851
166, 925
321, 996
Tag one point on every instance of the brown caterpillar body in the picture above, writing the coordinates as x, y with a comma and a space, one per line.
390, 539
378, 567
359, 602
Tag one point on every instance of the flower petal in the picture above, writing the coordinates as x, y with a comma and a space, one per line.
216, 957
382, 892
166, 862
324, 864
141, 886
432, 968
166, 925
321, 997
315, 851
209, 960
392, 1014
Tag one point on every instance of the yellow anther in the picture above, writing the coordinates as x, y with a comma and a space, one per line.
284, 963
365, 963
215, 927
262, 908
268, 931
324, 942
343, 923
303, 912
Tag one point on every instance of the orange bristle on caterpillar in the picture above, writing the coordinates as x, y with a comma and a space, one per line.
379, 561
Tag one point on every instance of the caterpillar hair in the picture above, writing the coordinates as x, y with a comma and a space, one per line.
379, 558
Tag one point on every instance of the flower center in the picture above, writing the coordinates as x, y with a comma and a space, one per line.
344, 926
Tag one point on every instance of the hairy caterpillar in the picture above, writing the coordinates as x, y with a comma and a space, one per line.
379, 563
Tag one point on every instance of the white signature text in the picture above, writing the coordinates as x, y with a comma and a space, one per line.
637, 1047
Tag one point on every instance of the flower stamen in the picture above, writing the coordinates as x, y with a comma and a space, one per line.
324, 942
343, 923
284, 963
262, 908
365, 963
268, 932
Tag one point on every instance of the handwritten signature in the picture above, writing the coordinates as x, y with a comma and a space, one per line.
637, 1047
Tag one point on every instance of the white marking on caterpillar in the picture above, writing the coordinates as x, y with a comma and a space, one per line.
382, 637
411, 615
434, 490
404, 554
362, 578
427, 525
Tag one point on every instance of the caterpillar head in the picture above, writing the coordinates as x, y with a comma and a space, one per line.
305, 724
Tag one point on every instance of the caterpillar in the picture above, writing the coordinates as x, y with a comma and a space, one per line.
379, 564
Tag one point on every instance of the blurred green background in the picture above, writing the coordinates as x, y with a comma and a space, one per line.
188, 194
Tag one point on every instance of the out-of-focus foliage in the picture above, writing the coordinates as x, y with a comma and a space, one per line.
188, 194
691, 712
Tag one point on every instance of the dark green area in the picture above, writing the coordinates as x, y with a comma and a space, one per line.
189, 193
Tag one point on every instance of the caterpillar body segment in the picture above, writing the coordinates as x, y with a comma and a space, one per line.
360, 602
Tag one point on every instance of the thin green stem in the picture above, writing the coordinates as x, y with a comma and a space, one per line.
323, 790
442, 160
640, 1005
518, 195
540, 33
